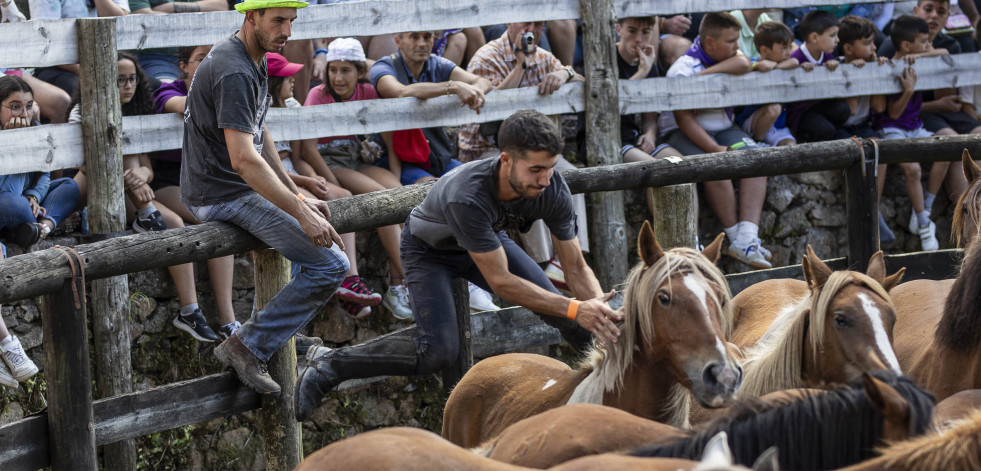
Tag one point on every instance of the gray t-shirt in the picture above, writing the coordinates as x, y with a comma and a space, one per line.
462, 210
228, 92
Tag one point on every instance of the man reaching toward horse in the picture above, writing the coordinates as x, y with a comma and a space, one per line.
458, 231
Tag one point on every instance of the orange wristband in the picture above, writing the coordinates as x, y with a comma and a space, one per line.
573, 309
300, 195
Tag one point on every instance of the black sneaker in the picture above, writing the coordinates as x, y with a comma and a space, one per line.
154, 222
195, 324
226, 331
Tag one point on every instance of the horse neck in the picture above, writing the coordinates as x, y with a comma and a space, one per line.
777, 363
651, 391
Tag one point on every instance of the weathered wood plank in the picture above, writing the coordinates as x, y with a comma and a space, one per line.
607, 222
24, 444
785, 86
862, 209
71, 437
464, 360
61, 144
38, 43
674, 219
281, 444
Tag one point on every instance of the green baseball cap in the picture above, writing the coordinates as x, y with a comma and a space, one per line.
263, 4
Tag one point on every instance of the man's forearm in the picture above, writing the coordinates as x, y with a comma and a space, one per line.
424, 90
517, 290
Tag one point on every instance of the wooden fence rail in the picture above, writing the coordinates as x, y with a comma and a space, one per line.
60, 144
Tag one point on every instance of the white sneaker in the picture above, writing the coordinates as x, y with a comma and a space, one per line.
914, 222
21, 366
763, 251
928, 237
397, 300
481, 300
749, 254
7, 379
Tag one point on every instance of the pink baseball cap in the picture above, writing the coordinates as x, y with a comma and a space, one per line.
278, 66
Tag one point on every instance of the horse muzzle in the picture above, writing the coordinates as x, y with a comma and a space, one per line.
720, 382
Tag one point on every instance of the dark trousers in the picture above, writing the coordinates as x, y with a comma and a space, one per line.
429, 274
823, 121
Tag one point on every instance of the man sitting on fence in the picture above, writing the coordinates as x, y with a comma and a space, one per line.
459, 231
231, 172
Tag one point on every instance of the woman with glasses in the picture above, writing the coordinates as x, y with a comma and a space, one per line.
31, 204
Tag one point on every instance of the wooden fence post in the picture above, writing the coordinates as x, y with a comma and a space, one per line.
674, 215
464, 360
101, 131
862, 207
280, 430
71, 427
607, 224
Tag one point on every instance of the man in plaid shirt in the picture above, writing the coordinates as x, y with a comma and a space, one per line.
508, 67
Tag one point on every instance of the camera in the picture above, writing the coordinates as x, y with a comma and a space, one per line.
526, 43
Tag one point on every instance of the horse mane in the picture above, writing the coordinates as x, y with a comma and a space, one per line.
968, 203
824, 430
960, 326
957, 449
614, 359
776, 362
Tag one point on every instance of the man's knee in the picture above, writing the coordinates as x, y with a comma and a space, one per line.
330, 270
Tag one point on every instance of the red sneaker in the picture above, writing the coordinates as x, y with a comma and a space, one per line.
354, 290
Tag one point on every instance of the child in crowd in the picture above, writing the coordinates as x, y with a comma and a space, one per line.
767, 124
813, 121
636, 60
16, 366
31, 204
171, 98
898, 117
350, 161
142, 207
716, 50
856, 36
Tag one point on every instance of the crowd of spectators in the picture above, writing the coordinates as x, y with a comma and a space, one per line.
471, 63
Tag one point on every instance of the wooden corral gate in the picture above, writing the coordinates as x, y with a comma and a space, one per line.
66, 436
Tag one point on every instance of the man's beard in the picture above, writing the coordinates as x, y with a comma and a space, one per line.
526, 191
267, 44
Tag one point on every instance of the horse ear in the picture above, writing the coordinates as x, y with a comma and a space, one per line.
971, 169
891, 281
884, 397
816, 273
716, 454
647, 247
768, 461
714, 250
877, 267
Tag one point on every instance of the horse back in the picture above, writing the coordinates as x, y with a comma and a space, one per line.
568, 432
502, 390
756, 307
919, 307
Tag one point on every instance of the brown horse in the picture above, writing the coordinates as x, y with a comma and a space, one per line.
411, 449
825, 330
957, 449
889, 408
949, 360
949, 412
676, 317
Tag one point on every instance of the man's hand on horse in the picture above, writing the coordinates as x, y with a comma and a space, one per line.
596, 316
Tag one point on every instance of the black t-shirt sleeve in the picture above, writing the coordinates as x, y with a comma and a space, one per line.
235, 103
561, 215
472, 227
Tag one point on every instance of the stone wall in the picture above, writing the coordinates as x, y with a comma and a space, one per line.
800, 210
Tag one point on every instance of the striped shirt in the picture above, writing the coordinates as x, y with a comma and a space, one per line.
493, 62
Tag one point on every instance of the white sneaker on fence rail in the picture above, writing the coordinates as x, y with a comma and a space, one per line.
749, 254
480, 299
7, 379
397, 301
928, 237
21, 366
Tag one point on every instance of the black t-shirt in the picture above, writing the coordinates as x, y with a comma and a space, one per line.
630, 124
942, 41
462, 211
228, 92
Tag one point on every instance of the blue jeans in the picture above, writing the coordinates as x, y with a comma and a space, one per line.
322, 270
60, 201
411, 173
429, 274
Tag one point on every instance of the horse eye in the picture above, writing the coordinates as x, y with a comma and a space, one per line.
841, 320
664, 299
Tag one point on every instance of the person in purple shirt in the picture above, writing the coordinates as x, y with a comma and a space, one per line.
898, 117
170, 98
814, 121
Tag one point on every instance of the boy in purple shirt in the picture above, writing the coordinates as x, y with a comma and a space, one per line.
813, 121
898, 117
